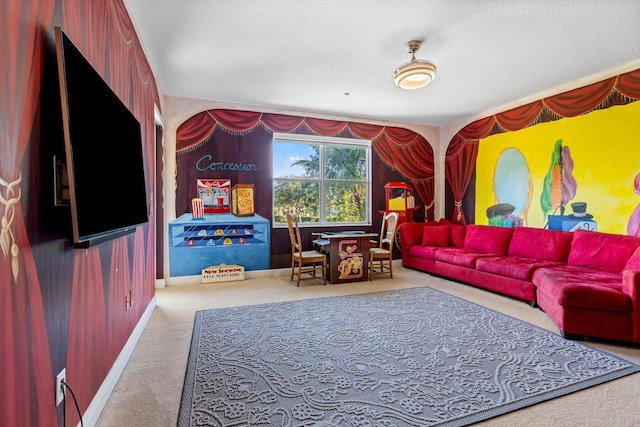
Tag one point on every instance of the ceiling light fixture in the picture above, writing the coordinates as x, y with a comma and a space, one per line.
416, 73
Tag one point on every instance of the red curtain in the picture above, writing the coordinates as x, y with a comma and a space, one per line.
97, 27
85, 24
402, 150
463, 147
459, 165
105, 34
25, 364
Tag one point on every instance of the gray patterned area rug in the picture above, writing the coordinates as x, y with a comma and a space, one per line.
412, 357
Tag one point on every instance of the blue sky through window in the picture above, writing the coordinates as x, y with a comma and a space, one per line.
285, 154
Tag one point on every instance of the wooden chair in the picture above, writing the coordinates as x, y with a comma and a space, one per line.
381, 258
304, 262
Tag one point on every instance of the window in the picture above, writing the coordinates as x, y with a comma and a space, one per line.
322, 180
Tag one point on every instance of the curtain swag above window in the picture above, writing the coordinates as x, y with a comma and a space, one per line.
402, 150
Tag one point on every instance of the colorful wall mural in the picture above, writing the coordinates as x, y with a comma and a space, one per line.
67, 308
544, 169
64, 308
246, 137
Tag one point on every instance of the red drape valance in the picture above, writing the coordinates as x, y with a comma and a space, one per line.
402, 150
463, 147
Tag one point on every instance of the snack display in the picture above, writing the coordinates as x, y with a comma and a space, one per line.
242, 199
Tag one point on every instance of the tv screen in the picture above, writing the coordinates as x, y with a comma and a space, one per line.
103, 151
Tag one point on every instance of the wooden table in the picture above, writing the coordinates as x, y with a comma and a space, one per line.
348, 254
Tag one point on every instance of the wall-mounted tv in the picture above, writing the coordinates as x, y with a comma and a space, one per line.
103, 152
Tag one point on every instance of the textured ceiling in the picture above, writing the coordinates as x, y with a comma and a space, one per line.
338, 57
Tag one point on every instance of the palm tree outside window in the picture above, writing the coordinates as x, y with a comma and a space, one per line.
322, 180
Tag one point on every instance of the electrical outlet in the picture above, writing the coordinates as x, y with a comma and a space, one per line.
60, 378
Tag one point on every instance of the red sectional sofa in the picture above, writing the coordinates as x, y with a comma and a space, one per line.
587, 282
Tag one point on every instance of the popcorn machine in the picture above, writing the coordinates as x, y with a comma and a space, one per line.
399, 199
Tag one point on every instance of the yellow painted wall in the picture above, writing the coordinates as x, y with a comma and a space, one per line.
605, 147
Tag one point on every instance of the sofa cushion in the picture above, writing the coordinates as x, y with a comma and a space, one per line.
601, 251
459, 256
457, 232
436, 235
457, 235
488, 239
513, 266
581, 287
540, 244
427, 252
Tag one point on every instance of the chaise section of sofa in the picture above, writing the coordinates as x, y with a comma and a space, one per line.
596, 293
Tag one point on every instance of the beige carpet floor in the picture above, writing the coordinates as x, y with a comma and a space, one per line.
149, 390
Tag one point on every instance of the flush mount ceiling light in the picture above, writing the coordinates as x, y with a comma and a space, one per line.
416, 73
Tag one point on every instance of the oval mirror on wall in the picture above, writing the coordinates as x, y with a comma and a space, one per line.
512, 182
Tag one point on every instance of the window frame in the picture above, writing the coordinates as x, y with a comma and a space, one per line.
322, 142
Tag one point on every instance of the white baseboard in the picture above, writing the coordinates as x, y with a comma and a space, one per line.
91, 415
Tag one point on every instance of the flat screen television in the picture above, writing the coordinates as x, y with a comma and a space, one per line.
103, 152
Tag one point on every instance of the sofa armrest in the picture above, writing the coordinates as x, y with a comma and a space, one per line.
410, 234
631, 287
